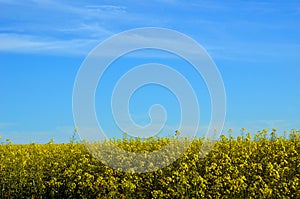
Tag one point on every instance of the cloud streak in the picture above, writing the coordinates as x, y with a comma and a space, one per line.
33, 44
75, 28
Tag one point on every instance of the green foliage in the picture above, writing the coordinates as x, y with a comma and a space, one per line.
266, 166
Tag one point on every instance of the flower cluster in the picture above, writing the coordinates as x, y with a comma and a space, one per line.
263, 166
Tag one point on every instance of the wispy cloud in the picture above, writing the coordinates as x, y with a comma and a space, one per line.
33, 44
80, 24
110, 8
72, 29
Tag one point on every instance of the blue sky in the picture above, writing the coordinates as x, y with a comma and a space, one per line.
255, 45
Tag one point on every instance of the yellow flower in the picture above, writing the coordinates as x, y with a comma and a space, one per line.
177, 132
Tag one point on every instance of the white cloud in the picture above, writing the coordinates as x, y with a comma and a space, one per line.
91, 30
110, 8
20, 43
75, 28
80, 9
33, 44
82, 23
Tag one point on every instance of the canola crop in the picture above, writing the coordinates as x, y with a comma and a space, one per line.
262, 166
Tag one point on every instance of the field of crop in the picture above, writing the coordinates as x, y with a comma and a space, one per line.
262, 166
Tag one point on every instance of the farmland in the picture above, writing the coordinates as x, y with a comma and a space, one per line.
259, 166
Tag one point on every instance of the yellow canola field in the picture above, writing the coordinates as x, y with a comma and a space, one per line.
263, 166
